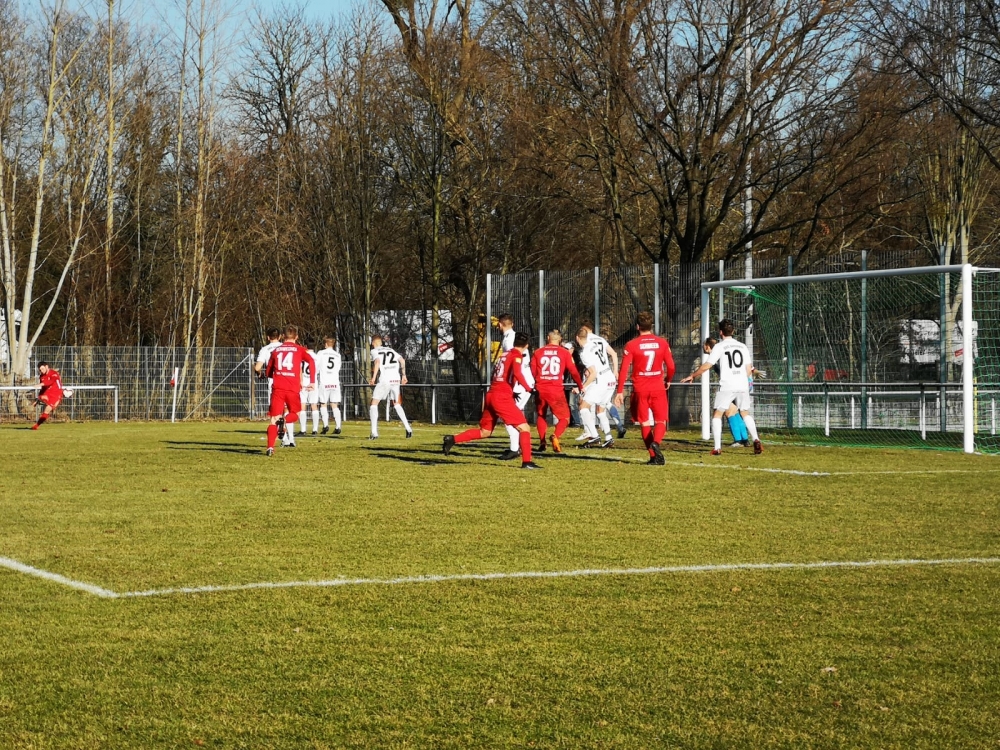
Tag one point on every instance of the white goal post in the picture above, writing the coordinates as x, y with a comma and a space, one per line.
886, 353
77, 406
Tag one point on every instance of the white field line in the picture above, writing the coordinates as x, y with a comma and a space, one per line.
801, 473
583, 572
6, 562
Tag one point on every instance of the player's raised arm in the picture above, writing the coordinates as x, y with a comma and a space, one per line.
518, 374
310, 361
668, 358
571, 367
402, 370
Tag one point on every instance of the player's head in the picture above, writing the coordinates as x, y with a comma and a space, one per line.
273, 334
376, 341
43, 367
554, 337
588, 324
506, 322
726, 327
291, 333
329, 342
644, 321
709, 344
581, 335
521, 341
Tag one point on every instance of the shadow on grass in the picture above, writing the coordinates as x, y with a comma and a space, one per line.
197, 445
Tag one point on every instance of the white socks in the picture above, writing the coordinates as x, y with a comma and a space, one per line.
336, 416
326, 416
717, 432
303, 417
373, 413
751, 424
289, 433
515, 438
315, 420
602, 420
402, 416
589, 422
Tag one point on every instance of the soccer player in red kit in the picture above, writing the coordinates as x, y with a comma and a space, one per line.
500, 404
285, 370
50, 394
652, 366
549, 365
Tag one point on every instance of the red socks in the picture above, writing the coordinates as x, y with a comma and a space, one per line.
543, 427
525, 438
468, 436
647, 436
659, 430
561, 426
272, 435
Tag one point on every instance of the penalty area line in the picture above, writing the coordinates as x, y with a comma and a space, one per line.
516, 575
19, 567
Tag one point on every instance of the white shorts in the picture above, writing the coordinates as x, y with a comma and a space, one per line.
521, 399
600, 392
329, 394
309, 397
742, 399
384, 391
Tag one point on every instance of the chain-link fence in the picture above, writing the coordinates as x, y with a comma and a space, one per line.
159, 383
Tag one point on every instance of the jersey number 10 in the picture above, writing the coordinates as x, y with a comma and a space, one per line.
735, 359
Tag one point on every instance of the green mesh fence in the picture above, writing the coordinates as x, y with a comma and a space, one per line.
870, 360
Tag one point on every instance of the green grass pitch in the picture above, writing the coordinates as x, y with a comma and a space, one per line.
904, 656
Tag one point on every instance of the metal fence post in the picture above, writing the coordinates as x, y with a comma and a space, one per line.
116, 404
541, 309
250, 373
789, 352
864, 342
968, 351
706, 412
488, 338
656, 299
722, 295
434, 394
597, 300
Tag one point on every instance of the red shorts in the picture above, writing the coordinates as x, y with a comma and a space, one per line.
554, 399
51, 399
281, 400
644, 402
500, 406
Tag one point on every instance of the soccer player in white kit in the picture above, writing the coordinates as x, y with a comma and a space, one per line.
309, 396
388, 375
521, 396
328, 363
735, 371
600, 381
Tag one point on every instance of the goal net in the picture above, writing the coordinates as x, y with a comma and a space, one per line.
907, 357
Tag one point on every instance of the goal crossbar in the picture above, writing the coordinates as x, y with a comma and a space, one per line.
966, 271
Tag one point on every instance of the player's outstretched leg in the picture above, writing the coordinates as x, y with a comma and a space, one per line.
605, 423
402, 418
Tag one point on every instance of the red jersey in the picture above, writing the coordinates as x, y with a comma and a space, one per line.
285, 367
550, 363
651, 362
51, 385
507, 372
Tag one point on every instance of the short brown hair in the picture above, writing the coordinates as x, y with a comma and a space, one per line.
587, 323
506, 318
291, 332
644, 320
329, 341
554, 335
726, 327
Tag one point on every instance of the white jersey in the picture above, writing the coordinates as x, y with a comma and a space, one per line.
506, 344
595, 355
388, 367
328, 363
305, 369
264, 355
732, 356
